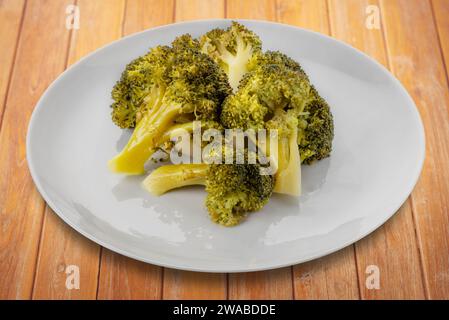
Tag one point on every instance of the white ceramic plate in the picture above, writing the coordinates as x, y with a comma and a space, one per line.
377, 157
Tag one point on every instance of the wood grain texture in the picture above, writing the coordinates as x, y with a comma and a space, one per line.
193, 285
199, 9
60, 248
441, 12
308, 14
395, 242
393, 249
416, 60
251, 9
180, 285
100, 23
266, 285
122, 277
332, 277
20, 203
145, 14
11, 12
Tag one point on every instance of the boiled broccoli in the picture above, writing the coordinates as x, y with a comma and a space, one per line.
139, 82
273, 97
186, 41
233, 190
316, 130
232, 49
275, 57
191, 86
315, 123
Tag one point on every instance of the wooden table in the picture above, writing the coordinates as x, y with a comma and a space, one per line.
411, 250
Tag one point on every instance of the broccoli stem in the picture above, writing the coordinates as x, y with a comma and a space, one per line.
288, 174
170, 177
236, 64
145, 138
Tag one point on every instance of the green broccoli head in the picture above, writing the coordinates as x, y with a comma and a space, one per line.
186, 41
232, 49
315, 123
137, 81
275, 57
196, 84
147, 76
233, 190
272, 97
193, 87
266, 90
316, 131
262, 59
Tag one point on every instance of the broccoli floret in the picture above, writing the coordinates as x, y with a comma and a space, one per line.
232, 49
273, 97
262, 59
266, 89
140, 79
275, 57
186, 41
192, 86
316, 128
233, 190
316, 131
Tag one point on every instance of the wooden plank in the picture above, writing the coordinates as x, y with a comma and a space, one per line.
335, 276
145, 14
251, 9
125, 278
199, 9
395, 242
20, 203
308, 14
273, 284
193, 285
347, 19
11, 12
61, 246
103, 20
393, 249
122, 277
266, 285
180, 285
331, 277
416, 60
441, 11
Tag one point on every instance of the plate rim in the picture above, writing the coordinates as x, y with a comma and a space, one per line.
262, 267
